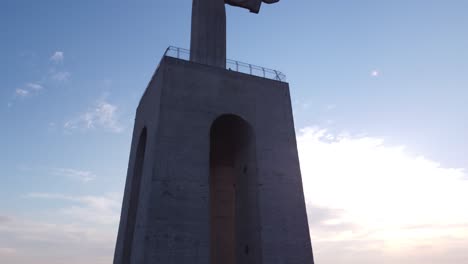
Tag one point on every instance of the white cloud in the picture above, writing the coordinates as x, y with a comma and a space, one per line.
35, 241
93, 209
100, 210
61, 76
57, 57
28, 89
375, 73
81, 231
379, 197
50, 196
34, 86
21, 92
83, 176
58, 75
102, 115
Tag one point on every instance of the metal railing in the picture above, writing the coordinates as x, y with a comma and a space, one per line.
184, 54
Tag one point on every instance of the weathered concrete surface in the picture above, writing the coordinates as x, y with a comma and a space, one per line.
173, 219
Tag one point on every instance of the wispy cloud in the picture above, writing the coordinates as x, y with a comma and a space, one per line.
21, 92
82, 230
102, 115
57, 57
34, 86
83, 176
94, 209
90, 209
361, 189
34, 241
60, 76
55, 73
27, 89
50, 196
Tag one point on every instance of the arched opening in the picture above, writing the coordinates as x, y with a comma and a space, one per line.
235, 236
134, 197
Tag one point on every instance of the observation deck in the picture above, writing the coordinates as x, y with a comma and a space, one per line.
247, 68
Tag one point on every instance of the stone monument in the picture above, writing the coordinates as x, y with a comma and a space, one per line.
213, 176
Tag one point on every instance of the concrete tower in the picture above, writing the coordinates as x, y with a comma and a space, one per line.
213, 176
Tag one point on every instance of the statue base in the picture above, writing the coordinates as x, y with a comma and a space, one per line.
214, 174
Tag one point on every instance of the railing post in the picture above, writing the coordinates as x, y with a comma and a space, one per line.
263, 69
178, 53
237, 66
250, 67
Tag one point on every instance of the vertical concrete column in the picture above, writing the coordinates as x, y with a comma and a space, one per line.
208, 37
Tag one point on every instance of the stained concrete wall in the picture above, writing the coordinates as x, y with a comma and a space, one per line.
173, 216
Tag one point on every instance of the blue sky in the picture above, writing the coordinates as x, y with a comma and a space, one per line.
373, 79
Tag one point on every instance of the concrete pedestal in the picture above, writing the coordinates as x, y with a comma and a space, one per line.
214, 173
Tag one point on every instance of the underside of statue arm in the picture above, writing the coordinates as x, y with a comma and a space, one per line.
252, 5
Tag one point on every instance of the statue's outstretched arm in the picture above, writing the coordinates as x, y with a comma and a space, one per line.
252, 5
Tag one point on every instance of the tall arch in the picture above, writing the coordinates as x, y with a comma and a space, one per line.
234, 216
134, 197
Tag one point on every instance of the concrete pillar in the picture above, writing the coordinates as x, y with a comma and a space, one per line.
208, 37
